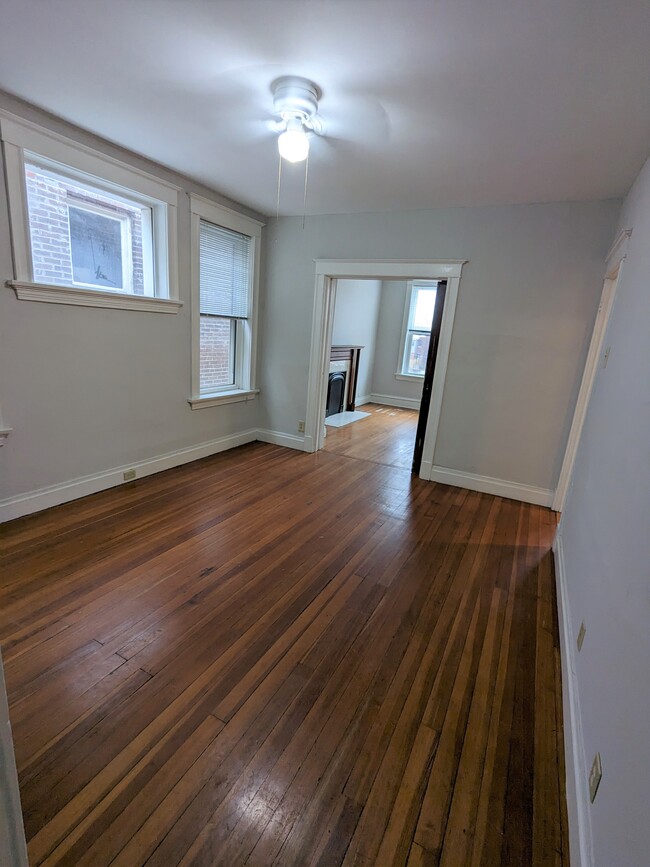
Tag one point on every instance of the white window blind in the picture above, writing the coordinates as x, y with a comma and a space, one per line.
224, 272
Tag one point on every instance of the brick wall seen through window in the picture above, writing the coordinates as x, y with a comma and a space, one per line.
48, 197
215, 357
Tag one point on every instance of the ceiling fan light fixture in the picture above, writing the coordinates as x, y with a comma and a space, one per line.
293, 144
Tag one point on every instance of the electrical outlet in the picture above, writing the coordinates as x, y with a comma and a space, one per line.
581, 636
595, 776
301, 427
129, 475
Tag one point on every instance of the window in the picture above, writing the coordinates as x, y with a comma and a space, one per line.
83, 236
418, 318
87, 230
226, 254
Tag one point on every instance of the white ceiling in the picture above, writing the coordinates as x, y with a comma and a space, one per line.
426, 102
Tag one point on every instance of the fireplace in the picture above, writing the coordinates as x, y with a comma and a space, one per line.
342, 384
335, 393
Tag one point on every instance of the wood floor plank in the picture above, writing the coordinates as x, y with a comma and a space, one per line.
387, 436
461, 821
280, 659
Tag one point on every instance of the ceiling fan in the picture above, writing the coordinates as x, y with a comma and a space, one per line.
295, 100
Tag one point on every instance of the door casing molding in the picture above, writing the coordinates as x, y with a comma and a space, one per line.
327, 272
615, 259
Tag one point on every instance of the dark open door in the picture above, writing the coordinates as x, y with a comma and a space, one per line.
428, 375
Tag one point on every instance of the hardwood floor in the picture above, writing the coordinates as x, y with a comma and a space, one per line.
387, 436
273, 658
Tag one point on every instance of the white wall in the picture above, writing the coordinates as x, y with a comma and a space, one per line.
355, 323
86, 389
389, 345
527, 302
606, 547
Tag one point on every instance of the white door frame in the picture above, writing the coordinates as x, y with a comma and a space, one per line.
615, 259
327, 273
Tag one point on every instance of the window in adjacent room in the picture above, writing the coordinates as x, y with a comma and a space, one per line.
226, 246
418, 316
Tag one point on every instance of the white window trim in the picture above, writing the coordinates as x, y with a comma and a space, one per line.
408, 308
409, 377
233, 395
20, 137
246, 345
79, 297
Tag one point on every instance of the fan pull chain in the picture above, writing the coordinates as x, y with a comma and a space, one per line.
277, 203
304, 197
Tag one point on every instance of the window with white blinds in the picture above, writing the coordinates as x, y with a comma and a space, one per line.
225, 262
224, 271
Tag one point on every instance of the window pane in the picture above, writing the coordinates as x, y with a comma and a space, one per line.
425, 301
96, 248
84, 236
217, 352
418, 348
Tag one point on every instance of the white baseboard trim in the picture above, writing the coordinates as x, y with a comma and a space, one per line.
390, 400
488, 485
54, 495
289, 441
360, 401
580, 840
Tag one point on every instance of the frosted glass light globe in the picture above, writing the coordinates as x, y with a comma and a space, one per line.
293, 144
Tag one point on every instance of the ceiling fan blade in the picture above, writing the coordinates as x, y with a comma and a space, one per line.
355, 117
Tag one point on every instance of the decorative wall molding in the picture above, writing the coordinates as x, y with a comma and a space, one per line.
54, 495
92, 298
391, 269
580, 842
392, 400
618, 251
289, 441
489, 485
615, 264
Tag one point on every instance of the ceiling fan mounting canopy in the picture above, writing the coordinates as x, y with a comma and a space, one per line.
294, 96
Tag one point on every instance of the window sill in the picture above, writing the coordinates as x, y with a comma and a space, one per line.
91, 297
410, 377
235, 396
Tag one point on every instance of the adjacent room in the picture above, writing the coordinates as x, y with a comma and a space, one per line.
324, 434
379, 345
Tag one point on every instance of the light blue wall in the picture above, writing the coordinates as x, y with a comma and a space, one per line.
355, 323
605, 531
527, 301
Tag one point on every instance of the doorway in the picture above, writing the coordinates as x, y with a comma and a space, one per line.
385, 337
328, 272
